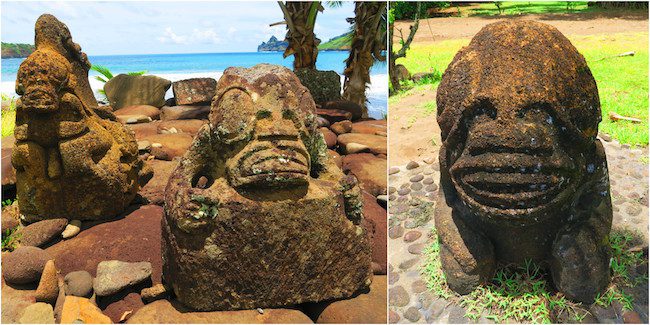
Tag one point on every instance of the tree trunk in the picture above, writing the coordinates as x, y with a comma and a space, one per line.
300, 18
368, 41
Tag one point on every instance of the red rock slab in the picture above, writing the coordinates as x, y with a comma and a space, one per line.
191, 126
146, 110
345, 105
376, 127
369, 170
143, 130
194, 91
172, 145
132, 238
334, 115
365, 308
184, 112
375, 221
166, 312
154, 190
376, 143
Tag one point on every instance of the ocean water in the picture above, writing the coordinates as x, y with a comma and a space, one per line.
183, 66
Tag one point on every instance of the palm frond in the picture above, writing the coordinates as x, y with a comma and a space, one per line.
101, 79
102, 70
137, 73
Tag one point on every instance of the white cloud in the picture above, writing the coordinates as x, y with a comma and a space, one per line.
204, 36
201, 36
170, 36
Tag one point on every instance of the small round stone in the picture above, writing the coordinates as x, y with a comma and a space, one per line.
78, 283
410, 224
412, 236
412, 165
416, 178
412, 314
416, 249
431, 188
404, 191
392, 190
393, 278
419, 286
408, 264
397, 296
395, 232
393, 317
633, 209
416, 186
393, 170
428, 181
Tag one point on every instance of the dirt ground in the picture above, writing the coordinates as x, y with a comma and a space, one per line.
412, 130
438, 29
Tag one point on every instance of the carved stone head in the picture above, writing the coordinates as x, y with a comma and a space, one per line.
266, 122
255, 182
519, 113
70, 162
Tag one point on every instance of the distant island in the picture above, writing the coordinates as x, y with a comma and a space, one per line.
16, 50
338, 43
273, 45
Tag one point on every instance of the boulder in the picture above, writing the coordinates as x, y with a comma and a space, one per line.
190, 126
125, 90
195, 91
145, 110
376, 143
376, 222
134, 237
329, 136
184, 112
154, 191
38, 313
323, 85
168, 146
333, 115
48, 286
24, 265
369, 170
134, 119
345, 105
78, 283
341, 127
113, 276
82, 310
41, 232
166, 312
354, 147
159, 291
367, 307
376, 127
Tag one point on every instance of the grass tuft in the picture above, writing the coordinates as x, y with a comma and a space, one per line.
524, 293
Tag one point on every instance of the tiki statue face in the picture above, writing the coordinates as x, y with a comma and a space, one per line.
41, 80
266, 125
517, 127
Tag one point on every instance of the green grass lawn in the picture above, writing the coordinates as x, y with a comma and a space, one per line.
622, 82
529, 7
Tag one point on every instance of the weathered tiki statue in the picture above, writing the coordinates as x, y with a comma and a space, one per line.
256, 215
70, 162
522, 173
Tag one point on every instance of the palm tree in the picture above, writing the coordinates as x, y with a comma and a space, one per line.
300, 18
368, 42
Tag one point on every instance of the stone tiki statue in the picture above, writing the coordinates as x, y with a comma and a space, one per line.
72, 159
522, 173
256, 215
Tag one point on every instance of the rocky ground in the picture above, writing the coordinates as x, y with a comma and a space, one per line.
111, 271
412, 200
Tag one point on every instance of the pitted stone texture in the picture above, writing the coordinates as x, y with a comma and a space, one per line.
261, 231
72, 160
323, 85
521, 167
125, 90
113, 276
194, 91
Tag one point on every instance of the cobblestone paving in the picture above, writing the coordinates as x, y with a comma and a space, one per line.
412, 192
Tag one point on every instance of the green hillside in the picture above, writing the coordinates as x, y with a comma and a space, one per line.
16, 50
341, 42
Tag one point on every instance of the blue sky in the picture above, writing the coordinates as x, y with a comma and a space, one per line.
149, 27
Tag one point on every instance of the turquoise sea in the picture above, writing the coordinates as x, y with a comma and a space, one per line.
182, 66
